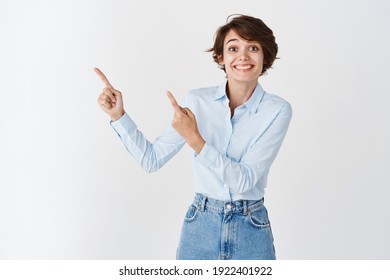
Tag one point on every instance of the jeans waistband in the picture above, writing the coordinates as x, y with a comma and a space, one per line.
220, 206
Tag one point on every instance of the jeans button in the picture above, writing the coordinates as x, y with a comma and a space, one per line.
229, 206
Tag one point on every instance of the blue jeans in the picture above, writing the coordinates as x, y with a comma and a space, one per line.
226, 230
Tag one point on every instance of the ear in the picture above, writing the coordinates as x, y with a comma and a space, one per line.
220, 60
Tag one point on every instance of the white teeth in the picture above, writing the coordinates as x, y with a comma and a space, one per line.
243, 67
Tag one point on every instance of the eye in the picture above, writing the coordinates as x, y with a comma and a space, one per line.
232, 49
254, 48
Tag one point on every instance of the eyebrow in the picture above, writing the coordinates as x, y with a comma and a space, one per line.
231, 41
235, 39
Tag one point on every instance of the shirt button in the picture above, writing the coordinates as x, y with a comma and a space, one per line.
229, 206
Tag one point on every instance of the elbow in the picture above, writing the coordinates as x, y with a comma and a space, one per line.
245, 181
148, 169
150, 164
244, 186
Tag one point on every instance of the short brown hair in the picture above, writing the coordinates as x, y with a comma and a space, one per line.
250, 29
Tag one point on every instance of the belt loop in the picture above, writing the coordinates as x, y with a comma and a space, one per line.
245, 204
203, 202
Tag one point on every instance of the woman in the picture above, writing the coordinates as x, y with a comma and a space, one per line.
235, 130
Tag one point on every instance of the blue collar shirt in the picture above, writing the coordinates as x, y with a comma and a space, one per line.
235, 161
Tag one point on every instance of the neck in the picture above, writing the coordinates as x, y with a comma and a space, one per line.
239, 93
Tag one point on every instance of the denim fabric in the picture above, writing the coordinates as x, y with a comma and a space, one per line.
224, 230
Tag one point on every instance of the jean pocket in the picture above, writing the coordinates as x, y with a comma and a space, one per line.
259, 218
191, 213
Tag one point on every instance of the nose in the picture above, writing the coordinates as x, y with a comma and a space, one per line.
243, 55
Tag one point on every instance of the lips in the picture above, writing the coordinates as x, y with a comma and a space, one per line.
243, 66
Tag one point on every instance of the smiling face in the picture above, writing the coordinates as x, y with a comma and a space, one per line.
243, 60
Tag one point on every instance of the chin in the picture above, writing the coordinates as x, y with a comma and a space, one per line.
244, 79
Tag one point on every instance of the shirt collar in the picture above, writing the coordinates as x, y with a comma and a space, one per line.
221, 91
252, 104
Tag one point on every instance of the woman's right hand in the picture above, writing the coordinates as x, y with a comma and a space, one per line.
110, 100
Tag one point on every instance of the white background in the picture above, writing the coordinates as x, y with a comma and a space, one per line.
68, 188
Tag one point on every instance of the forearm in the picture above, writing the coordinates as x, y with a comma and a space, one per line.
239, 177
150, 156
243, 174
196, 143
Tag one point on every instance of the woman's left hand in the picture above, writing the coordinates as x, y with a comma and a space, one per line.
184, 122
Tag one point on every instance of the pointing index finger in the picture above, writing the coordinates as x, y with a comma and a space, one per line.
102, 77
174, 103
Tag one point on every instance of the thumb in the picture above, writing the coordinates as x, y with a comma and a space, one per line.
116, 93
188, 112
